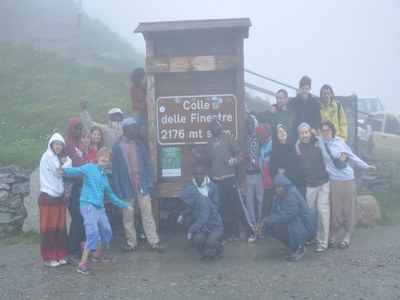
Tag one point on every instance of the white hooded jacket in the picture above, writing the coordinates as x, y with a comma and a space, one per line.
50, 182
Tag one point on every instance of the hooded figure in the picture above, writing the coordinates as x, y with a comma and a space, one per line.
290, 208
50, 182
53, 230
206, 229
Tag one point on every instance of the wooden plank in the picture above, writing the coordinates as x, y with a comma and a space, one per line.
195, 83
194, 63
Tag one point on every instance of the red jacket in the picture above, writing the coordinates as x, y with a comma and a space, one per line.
138, 101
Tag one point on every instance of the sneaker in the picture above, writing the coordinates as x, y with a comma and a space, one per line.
52, 263
62, 261
84, 269
298, 254
101, 258
219, 253
252, 238
73, 260
158, 247
320, 249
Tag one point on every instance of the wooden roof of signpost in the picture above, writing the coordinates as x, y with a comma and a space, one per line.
151, 27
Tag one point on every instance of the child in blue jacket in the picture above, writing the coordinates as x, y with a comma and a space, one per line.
95, 185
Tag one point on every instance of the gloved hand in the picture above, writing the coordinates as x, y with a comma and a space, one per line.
180, 220
190, 236
232, 161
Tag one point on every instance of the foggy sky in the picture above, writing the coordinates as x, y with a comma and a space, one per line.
352, 45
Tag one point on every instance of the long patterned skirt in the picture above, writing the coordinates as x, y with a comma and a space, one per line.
53, 230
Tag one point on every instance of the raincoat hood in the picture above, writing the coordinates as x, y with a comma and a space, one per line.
55, 137
72, 124
281, 180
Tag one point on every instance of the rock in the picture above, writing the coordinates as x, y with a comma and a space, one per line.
21, 188
5, 218
370, 211
31, 203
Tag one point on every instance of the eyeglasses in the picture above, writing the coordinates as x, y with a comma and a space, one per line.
326, 130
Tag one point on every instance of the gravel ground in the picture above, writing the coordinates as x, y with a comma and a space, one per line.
369, 269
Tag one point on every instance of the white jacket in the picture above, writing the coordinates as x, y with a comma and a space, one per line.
50, 182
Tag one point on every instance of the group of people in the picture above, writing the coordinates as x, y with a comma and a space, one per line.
300, 184
299, 192
74, 174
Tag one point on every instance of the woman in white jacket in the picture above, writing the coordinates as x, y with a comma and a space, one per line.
339, 162
52, 210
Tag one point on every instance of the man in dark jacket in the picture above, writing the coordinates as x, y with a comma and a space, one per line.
205, 229
306, 107
132, 181
318, 186
223, 157
291, 220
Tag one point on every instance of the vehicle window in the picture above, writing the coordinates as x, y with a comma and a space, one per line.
392, 125
377, 122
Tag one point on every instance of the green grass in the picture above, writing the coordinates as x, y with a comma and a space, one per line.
29, 237
389, 203
40, 92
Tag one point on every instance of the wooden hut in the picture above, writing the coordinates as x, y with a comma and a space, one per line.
195, 70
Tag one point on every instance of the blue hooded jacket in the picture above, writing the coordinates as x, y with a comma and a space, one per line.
201, 210
291, 208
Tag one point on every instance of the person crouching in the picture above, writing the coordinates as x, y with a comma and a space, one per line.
290, 220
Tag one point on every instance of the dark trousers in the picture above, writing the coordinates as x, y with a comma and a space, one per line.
211, 240
76, 229
232, 203
280, 232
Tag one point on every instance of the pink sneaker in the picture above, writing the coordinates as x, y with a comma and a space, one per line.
84, 269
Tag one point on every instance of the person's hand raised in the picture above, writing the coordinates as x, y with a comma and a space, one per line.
84, 104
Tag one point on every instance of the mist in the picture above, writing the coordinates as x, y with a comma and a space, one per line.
352, 45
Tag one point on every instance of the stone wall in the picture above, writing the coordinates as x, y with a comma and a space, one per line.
14, 187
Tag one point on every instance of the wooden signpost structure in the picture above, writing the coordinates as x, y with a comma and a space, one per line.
195, 71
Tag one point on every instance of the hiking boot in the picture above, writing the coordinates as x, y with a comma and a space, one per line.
100, 258
73, 260
52, 263
158, 248
298, 254
84, 269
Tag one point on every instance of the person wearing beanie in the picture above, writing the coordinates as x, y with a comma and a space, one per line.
223, 157
132, 182
284, 158
317, 183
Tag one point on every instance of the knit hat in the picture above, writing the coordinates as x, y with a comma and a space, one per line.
128, 121
279, 126
262, 130
304, 124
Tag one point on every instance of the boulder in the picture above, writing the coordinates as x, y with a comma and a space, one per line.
31, 203
370, 211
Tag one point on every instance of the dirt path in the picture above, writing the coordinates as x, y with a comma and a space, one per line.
369, 269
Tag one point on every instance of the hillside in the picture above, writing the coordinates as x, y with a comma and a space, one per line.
44, 77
